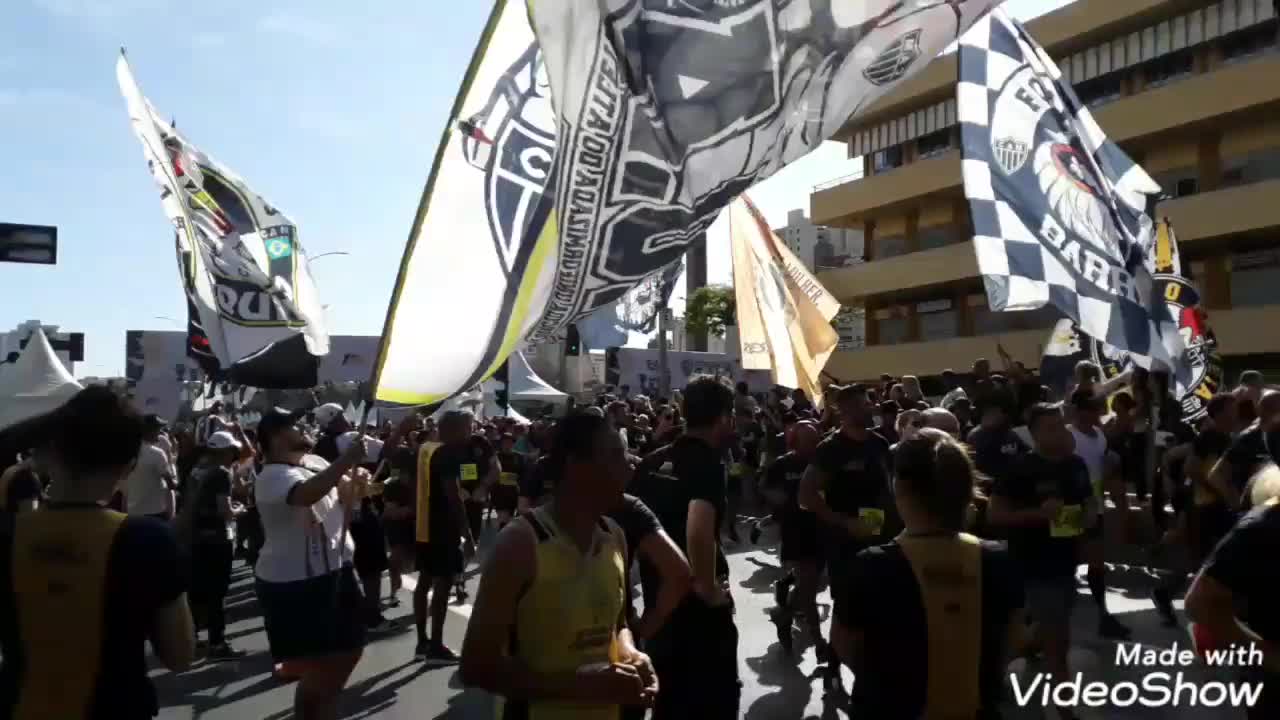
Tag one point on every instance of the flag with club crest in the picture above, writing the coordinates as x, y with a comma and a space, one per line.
1061, 215
254, 315
1200, 361
594, 140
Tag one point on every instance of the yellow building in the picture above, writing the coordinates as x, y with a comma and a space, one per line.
1189, 88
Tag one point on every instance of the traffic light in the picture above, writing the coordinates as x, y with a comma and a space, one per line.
572, 343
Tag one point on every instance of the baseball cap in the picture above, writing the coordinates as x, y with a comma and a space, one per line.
154, 422
222, 440
327, 413
275, 420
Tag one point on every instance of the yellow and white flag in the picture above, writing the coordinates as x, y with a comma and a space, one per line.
784, 313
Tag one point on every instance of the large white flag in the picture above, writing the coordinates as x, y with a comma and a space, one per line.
587, 152
784, 313
249, 288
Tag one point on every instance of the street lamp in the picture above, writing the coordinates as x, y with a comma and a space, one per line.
324, 255
166, 317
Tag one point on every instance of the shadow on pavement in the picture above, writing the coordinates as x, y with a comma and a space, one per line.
761, 580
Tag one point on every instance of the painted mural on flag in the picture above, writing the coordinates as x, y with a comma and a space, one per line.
1061, 215
483, 243
670, 110
658, 122
254, 315
1201, 360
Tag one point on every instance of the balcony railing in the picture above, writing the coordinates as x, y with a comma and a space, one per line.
838, 181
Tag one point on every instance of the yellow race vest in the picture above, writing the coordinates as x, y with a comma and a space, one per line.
59, 586
948, 570
423, 510
568, 617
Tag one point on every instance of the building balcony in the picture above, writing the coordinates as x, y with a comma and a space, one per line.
903, 272
847, 203
1237, 332
1231, 211
1198, 101
1222, 213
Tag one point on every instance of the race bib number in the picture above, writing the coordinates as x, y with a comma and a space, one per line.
738, 469
508, 478
873, 517
1068, 523
470, 473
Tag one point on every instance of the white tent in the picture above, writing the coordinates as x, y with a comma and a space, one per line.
524, 384
35, 384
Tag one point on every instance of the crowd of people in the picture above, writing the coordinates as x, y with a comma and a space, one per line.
949, 531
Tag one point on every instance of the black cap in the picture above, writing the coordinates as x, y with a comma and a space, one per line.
851, 392
277, 419
154, 422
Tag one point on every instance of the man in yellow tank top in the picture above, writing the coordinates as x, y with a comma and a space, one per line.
548, 631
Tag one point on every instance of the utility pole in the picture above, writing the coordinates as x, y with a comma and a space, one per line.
696, 277
664, 360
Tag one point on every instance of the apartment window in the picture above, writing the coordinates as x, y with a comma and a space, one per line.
1179, 182
887, 159
1249, 43
938, 319
936, 236
888, 246
1167, 69
1255, 167
1255, 278
893, 330
1100, 90
935, 143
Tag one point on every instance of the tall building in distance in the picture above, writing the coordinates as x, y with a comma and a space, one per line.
821, 247
1188, 87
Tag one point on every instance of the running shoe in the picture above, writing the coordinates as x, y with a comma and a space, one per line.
439, 654
224, 653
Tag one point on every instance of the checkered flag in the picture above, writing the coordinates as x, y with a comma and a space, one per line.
1061, 215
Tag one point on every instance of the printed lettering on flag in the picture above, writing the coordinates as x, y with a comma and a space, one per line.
1061, 215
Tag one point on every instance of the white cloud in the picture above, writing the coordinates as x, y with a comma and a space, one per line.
300, 27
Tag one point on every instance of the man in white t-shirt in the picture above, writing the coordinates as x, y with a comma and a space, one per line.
149, 488
311, 600
1091, 447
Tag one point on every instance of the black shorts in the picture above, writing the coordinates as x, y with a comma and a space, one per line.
440, 560
505, 498
799, 541
312, 618
400, 532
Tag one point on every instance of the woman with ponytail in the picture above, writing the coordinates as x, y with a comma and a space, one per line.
935, 607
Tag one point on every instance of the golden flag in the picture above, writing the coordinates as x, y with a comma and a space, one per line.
784, 313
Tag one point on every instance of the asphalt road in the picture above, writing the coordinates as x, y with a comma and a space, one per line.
387, 684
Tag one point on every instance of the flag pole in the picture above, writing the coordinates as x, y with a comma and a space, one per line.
664, 360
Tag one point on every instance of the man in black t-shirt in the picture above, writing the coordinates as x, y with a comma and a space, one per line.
847, 487
1257, 445
801, 551
696, 653
1046, 503
444, 536
996, 447
1236, 595
506, 494
1214, 502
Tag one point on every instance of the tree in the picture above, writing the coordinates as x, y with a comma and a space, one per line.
709, 310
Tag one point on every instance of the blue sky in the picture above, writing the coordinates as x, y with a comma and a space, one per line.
331, 110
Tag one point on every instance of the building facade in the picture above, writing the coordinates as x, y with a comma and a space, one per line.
820, 247
1189, 88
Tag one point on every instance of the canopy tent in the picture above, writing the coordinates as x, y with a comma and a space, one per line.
37, 383
524, 384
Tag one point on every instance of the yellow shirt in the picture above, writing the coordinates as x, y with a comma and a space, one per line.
568, 617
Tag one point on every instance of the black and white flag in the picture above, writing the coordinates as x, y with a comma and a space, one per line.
1061, 215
